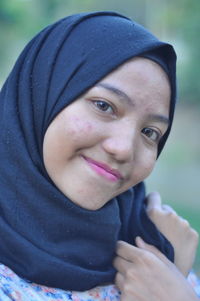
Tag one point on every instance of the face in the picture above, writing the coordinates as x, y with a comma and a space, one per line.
106, 141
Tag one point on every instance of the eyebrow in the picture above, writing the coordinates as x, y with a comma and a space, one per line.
116, 91
159, 118
124, 96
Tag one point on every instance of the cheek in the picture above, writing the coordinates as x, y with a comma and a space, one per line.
62, 141
142, 169
79, 131
76, 125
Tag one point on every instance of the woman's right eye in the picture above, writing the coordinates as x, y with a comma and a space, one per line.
103, 106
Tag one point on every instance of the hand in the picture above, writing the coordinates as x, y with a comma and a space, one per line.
176, 229
144, 274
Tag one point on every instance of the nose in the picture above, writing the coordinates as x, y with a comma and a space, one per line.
121, 144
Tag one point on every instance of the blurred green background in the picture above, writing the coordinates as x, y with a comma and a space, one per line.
177, 173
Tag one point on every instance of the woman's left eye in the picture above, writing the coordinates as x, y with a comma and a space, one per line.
103, 106
152, 134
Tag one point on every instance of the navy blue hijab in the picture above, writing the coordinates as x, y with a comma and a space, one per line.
44, 237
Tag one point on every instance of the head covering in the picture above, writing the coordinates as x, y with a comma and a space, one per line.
44, 237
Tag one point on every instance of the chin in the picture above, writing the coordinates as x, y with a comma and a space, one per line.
95, 205
89, 202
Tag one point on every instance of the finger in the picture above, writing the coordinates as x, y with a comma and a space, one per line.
145, 246
153, 201
121, 285
121, 265
119, 281
168, 208
127, 251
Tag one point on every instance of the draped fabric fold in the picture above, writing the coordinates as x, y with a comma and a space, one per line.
44, 237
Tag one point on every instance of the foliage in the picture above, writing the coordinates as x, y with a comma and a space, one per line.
183, 16
178, 20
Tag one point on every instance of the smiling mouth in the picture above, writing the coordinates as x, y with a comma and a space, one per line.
104, 170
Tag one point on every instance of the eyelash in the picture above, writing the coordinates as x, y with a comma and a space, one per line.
97, 104
154, 132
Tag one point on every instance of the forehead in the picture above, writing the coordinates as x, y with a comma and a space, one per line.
144, 68
139, 80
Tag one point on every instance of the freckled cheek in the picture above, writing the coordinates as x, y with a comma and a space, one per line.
76, 124
80, 130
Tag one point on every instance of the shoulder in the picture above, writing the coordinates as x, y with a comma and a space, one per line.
12, 287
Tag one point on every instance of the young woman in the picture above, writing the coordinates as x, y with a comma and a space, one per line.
84, 115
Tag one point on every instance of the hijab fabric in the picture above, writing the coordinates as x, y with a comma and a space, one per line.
44, 237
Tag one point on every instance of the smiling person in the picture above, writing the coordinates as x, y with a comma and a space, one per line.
101, 139
84, 115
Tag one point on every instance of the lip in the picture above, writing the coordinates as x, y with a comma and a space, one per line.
104, 169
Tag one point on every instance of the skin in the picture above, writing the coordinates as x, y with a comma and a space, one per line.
118, 122
144, 271
177, 230
146, 274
